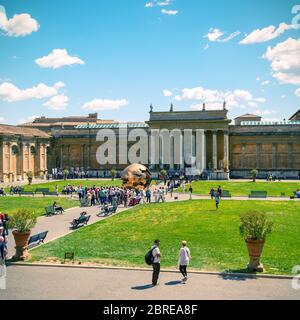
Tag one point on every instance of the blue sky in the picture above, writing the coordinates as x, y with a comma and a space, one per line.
117, 57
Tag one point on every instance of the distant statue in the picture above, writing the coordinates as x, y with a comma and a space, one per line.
171, 107
151, 108
224, 105
203, 109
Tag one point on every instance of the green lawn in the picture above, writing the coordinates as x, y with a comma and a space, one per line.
244, 188
62, 183
212, 236
12, 204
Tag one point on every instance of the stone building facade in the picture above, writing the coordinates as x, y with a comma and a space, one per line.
218, 147
22, 150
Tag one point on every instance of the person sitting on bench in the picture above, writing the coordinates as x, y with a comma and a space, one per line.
57, 208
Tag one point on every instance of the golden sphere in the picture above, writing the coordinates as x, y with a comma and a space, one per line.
136, 176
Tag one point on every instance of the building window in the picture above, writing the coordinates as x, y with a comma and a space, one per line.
15, 150
32, 150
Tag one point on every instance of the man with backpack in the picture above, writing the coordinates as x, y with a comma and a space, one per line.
153, 258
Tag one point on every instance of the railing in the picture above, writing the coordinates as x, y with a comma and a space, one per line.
270, 123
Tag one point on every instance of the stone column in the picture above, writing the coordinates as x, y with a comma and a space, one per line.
243, 155
82, 156
89, 156
69, 156
182, 164
200, 150
10, 162
23, 160
61, 157
258, 153
171, 153
214, 150
226, 151
274, 155
290, 156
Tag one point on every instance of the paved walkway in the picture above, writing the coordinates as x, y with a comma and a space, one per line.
98, 284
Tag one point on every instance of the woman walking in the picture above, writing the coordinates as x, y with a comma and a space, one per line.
184, 259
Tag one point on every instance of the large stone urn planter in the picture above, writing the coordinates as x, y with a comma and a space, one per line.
255, 248
21, 240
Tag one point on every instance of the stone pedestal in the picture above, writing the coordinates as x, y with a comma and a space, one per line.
254, 265
21, 254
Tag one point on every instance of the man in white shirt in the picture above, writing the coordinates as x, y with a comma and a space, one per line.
156, 262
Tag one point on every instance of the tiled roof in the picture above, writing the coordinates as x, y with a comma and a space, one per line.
7, 130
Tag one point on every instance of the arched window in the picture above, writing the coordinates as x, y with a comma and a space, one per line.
15, 150
32, 150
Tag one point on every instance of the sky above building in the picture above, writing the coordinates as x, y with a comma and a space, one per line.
116, 57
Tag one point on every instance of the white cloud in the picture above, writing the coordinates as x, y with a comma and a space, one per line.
169, 12
2, 120
265, 83
265, 112
58, 102
157, 3
9, 92
297, 92
19, 25
57, 59
105, 104
283, 96
215, 35
215, 98
285, 61
266, 34
167, 93
27, 119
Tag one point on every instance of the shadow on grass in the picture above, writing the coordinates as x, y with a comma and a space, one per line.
238, 275
144, 287
173, 283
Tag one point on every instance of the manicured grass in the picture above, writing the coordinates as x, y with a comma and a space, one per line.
12, 204
62, 183
274, 189
213, 236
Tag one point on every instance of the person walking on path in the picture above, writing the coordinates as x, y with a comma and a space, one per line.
156, 262
212, 193
184, 259
217, 200
191, 192
148, 195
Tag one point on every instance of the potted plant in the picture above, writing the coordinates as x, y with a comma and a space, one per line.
254, 228
113, 173
29, 175
22, 222
254, 174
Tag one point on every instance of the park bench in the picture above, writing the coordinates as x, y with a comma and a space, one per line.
226, 194
258, 194
41, 190
26, 193
80, 222
38, 238
50, 211
50, 193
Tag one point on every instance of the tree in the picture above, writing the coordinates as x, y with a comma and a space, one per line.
29, 175
254, 174
66, 173
113, 173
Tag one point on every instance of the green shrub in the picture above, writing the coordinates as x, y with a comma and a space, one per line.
255, 225
22, 221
